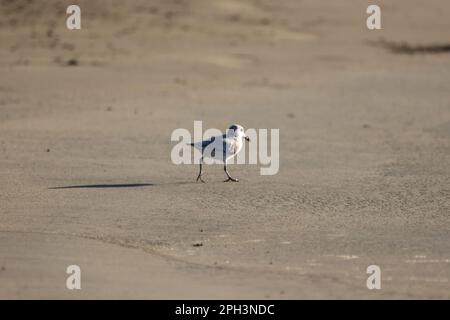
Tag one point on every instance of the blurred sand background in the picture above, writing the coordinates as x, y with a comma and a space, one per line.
364, 119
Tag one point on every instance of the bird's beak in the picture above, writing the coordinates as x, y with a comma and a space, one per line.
247, 138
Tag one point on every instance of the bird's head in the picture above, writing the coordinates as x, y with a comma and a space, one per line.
237, 131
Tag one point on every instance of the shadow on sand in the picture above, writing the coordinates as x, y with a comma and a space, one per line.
101, 186
119, 185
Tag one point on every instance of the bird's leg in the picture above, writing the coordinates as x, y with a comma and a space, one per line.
228, 175
199, 177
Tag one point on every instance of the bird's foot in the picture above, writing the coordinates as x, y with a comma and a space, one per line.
231, 179
200, 178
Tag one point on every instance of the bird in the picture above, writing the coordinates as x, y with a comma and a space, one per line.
222, 148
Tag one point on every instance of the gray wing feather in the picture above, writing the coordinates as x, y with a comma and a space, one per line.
206, 143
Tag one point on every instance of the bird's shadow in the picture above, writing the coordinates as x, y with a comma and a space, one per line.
118, 185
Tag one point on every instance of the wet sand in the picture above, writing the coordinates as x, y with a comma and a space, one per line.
86, 177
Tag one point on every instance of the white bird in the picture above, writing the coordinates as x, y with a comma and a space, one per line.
222, 148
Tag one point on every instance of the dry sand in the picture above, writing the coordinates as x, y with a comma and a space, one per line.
364, 119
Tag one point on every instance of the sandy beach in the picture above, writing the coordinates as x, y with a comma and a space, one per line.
86, 176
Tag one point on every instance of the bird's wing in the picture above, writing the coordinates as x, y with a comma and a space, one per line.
219, 147
205, 143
